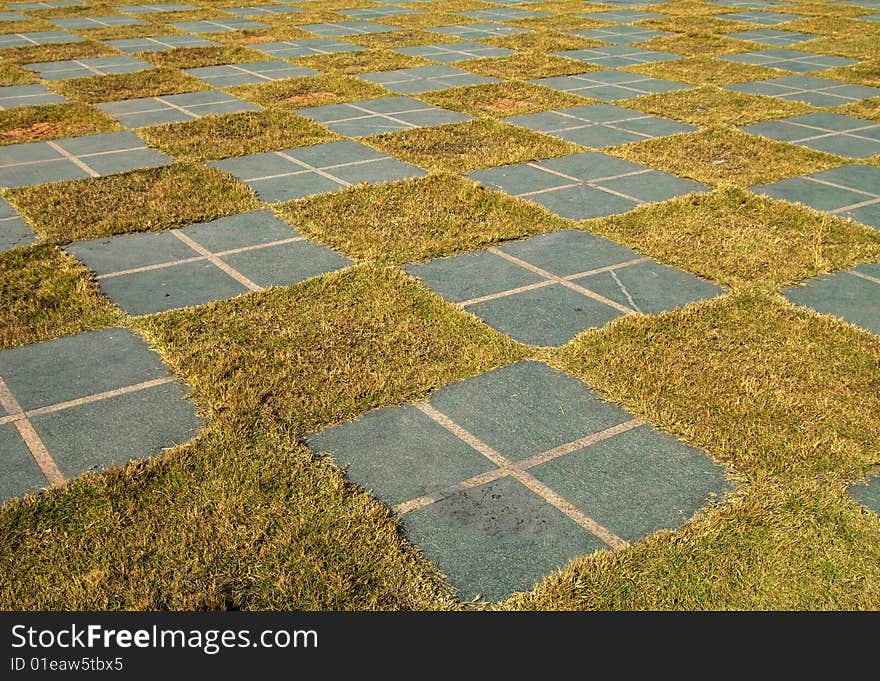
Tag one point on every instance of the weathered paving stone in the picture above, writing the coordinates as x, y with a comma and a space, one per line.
749, 4
378, 116
504, 477
449, 53
231, 75
344, 28
622, 16
477, 31
609, 86
547, 289
601, 125
808, 89
12, 16
425, 79
75, 158
851, 191
503, 14
868, 495
303, 171
14, 231
292, 49
760, 18
772, 36
15, 96
161, 43
146, 111
38, 38
615, 56
219, 25
93, 400
825, 131
81, 23
376, 12
155, 8
789, 60
262, 10
147, 273
88, 68
853, 295
620, 35
48, 4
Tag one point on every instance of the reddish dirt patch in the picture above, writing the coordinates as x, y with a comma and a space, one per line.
505, 104
312, 98
32, 132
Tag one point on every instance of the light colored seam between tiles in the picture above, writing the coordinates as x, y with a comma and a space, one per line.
862, 275
73, 159
510, 468
31, 438
214, 260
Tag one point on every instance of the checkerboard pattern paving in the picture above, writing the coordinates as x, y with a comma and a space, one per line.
346, 28
773, 37
808, 89
623, 16
749, 4
153, 9
88, 68
263, 10
219, 25
610, 86
82, 403
616, 56
379, 116
868, 494
38, 38
139, 113
586, 185
760, 18
147, 273
547, 289
300, 172
601, 125
49, 4
620, 35
292, 49
376, 12
825, 131
853, 295
85, 23
504, 477
477, 31
448, 53
161, 43
232, 75
424, 79
75, 158
14, 231
851, 191
789, 60
12, 16
503, 14
27, 95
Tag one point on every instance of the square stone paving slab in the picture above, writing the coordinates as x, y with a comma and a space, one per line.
376, 12
772, 36
760, 18
263, 10
477, 31
14, 231
38, 38
84, 23
84, 402
849, 191
825, 131
13, 16
623, 16
868, 495
547, 289
477, 470
869, 17
75, 158
601, 125
343, 28
789, 60
620, 35
155, 8
304, 171
88, 68
48, 4
292, 49
503, 14
449, 53
161, 43
853, 295
618, 55
219, 25
586, 185
153, 272
610, 86
808, 89
749, 4
231, 75
425, 79
139, 113
14, 96
378, 116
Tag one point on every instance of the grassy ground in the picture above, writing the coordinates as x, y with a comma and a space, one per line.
246, 517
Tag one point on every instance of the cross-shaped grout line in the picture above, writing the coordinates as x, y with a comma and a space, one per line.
214, 260
551, 282
862, 275
565, 282
519, 472
30, 40
590, 183
73, 159
31, 438
196, 258
832, 133
87, 67
239, 67
585, 123
375, 114
310, 168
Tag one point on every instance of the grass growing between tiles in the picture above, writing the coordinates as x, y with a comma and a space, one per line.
417, 219
299, 93
497, 100
47, 294
52, 121
142, 200
116, 87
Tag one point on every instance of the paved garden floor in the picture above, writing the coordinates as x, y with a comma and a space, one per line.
440, 303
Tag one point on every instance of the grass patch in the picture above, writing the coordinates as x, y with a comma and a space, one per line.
867, 108
543, 42
463, 147
59, 52
417, 219
248, 132
437, 17
711, 106
405, 38
864, 46
52, 121
694, 25
13, 74
116, 87
723, 156
47, 294
559, 22
742, 241
697, 45
705, 71
864, 73
362, 62
298, 93
139, 201
497, 100
523, 66
196, 57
